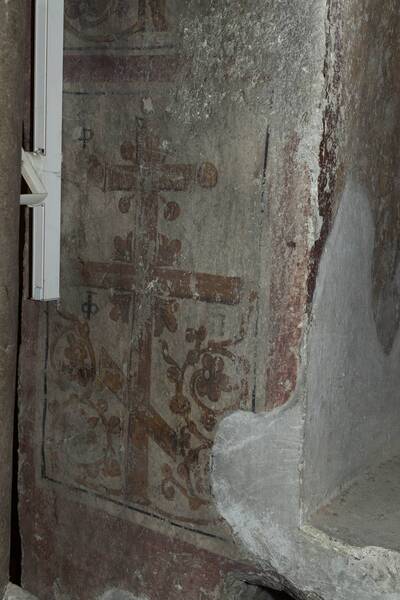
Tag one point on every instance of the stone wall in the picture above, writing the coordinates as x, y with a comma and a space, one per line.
12, 55
230, 243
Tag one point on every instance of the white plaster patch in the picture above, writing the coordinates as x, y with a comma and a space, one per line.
118, 594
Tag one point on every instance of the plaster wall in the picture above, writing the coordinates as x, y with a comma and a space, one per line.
189, 152
229, 209
352, 418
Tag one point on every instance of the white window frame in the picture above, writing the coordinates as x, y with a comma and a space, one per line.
41, 168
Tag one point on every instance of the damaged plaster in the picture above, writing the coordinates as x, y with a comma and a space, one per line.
278, 477
224, 227
269, 469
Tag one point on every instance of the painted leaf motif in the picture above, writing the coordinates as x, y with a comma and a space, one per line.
174, 374
114, 425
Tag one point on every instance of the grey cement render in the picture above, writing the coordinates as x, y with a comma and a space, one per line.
353, 387
269, 469
14, 592
117, 594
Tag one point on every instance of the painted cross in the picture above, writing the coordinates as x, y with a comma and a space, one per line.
148, 171
143, 273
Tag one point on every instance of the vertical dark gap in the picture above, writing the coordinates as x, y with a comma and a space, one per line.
27, 143
15, 541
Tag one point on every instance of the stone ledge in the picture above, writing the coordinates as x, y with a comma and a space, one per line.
256, 484
14, 592
367, 513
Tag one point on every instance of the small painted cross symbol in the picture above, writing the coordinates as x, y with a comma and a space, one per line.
86, 136
90, 308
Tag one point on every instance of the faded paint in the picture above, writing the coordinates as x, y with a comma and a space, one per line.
202, 184
153, 340
288, 286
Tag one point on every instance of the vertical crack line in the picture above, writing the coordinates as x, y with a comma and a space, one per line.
15, 566
264, 173
263, 206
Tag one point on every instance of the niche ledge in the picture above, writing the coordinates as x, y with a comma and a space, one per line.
368, 512
256, 476
312, 489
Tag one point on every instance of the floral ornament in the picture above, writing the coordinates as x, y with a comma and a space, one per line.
211, 380
196, 335
208, 420
72, 355
123, 248
200, 377
168, 250
96, 9
106, 21
183, 441
179, 404
77, 364
164, 316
